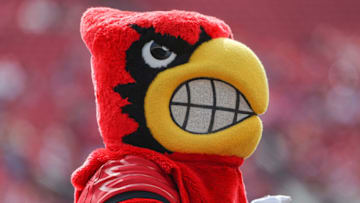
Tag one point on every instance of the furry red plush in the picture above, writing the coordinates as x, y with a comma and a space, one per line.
186, 150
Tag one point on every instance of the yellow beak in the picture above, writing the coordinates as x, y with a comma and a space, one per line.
224, 60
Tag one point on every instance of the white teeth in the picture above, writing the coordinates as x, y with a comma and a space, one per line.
241, 116
222, 119
178, 113
201, 92
207, 105
243, 105
199, 119
225, 95
181, 95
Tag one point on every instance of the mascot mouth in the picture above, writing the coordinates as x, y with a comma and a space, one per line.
208, 105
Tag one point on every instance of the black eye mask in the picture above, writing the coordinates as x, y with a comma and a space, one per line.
144, 75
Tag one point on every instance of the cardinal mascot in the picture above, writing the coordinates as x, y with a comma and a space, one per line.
177, 106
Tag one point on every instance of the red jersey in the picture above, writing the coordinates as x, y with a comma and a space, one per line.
177, 177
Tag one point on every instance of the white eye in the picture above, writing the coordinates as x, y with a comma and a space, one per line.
157, 56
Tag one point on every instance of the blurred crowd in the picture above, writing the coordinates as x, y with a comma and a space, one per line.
311, 51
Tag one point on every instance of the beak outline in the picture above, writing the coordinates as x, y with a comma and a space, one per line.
224, 60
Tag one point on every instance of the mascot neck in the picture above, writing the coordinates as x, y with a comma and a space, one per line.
211, 178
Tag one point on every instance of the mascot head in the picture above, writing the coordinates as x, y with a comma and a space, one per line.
174, 81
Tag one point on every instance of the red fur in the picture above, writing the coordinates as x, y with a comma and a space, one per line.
108, 35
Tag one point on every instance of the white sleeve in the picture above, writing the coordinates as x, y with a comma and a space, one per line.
273, 199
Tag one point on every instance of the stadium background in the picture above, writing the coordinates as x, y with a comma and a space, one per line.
311, 50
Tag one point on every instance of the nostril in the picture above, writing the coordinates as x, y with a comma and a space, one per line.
206, 105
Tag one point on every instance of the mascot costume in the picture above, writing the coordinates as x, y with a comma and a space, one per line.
177, 106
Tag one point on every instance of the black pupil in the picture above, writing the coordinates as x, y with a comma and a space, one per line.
159, 52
